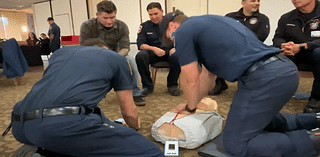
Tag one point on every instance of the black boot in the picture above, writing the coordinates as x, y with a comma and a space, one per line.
313, 106
146, 91
315, 137
221, 86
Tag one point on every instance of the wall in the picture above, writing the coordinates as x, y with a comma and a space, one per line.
41, 12
133, 11
274, 9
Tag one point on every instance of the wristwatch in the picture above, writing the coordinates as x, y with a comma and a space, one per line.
189, 110
302, 46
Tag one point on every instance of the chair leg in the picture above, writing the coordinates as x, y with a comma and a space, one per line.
153, 75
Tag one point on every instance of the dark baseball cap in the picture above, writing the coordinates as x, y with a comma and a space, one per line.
166, 19
50, 19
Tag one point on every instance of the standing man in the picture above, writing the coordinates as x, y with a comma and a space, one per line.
298, 36
249, 16
54, 35
266, 82
149, 42
60, 113
116, 35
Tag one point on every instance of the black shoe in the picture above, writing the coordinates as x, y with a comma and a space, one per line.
218, 89
174, 91
139, 101
313, 106
315, 137
146, 91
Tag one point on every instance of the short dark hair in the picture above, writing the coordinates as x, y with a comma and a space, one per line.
154, 5
50, 19
106, 6
94, 42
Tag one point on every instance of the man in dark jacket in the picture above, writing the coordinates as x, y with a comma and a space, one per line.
54, 35
298, 35
249, 16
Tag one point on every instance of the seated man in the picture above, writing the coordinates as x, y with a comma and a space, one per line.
257, 22
298, 37
149, 43
60, 113
116, 35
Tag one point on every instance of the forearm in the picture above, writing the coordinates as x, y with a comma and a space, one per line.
147, 47
192, 93
207, 81
132, 121
190, 79
313, 44
128, 108
124, 52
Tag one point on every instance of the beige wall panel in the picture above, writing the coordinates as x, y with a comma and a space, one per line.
93, 8
41, 12
62, 16
274, 9
219, 7
128, 11
79, 14
189, 7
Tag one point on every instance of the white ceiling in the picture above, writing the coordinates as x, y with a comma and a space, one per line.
18, 4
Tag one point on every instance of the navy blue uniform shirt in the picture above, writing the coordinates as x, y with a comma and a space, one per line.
55, 30
224, 46
149, 34
78, 75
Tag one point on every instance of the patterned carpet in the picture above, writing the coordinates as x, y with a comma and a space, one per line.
158, 103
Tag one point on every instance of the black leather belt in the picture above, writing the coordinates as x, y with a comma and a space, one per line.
262, 62
49, 112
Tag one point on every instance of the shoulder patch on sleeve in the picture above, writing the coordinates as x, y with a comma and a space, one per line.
139, 30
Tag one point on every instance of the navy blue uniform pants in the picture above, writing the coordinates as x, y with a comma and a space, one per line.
84, 135
54, 46
145, 58
254, 125
312, 58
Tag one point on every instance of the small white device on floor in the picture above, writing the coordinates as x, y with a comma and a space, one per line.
171, 148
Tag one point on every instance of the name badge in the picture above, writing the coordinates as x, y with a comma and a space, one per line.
149, 32
315, 33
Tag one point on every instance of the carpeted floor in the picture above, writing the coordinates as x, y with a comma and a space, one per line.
158, 103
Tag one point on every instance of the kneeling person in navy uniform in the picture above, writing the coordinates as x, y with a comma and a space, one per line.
60, 113
228, 49
250, 16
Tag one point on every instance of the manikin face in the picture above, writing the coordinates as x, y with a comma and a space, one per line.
301, 3
107, 20
250, 6
155, 15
